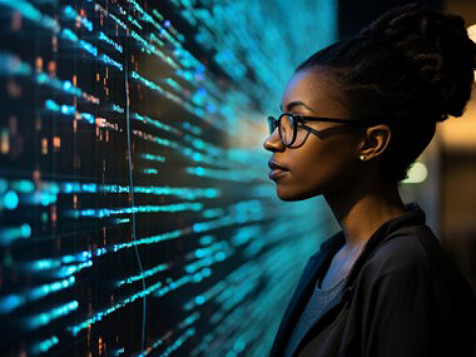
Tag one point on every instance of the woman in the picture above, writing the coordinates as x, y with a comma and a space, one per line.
383, 285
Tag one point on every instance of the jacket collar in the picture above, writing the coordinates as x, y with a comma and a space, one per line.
318, 262
413, 215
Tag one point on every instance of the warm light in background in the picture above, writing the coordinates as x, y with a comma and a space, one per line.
417, 173
459, 133
472, 36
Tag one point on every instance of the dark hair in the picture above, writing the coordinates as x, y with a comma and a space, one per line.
410, 68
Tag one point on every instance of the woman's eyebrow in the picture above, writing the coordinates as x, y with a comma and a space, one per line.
296, 103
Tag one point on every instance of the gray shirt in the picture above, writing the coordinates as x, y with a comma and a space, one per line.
314, 307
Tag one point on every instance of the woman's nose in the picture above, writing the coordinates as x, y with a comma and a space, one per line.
273, 142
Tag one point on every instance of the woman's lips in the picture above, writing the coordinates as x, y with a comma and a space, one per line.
275, 165
277, 170
275, 173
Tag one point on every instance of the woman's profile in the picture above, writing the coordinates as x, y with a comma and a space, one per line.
356, 115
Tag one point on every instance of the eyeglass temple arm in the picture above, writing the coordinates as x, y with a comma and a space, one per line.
332, 120
319, 132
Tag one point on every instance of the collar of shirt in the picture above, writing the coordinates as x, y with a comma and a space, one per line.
414, 215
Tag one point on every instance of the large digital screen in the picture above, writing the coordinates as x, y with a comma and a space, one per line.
136, 215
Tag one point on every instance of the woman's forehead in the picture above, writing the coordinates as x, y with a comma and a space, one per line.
312, 87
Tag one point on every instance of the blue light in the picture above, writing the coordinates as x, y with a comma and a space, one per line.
44, 346
51, 105
199, 300
46, 317
10, 303
10, 200
25, 230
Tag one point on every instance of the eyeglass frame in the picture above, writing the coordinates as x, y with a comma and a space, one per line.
300, 118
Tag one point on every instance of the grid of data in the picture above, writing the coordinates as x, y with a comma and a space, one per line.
136, 216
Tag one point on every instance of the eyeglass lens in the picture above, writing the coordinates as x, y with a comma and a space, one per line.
286, 129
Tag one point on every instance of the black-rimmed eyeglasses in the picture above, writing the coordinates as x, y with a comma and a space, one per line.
289, 126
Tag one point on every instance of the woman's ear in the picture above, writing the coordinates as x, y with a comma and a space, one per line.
375, 141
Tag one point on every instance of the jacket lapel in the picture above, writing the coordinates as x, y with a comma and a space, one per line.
413, 220
303, 291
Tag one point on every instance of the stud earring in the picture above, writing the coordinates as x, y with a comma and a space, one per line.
362, 157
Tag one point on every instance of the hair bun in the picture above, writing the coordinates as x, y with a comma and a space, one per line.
437, 45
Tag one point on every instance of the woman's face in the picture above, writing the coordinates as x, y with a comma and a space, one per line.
321, 164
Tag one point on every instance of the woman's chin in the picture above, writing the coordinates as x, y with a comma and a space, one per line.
287, 194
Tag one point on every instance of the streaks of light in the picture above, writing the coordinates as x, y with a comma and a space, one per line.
44, 346
71, 14
228, 175
11, 302
108, 212
69, 35
106, 39
54, 263
179, 342
150, 171
217, 252
152, 157
70, 270
108, 60
147, 273
55, 313
33, 14
154, 288
9, 234
108, 13
186, 193
148, 240
154, 122
11, 65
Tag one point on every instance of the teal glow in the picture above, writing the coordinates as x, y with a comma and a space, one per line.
44, 346
12, 65
109, 41
106, 212
145, 274
23, 186
10, 200
31, 13
46, 317
11, 302
10, 234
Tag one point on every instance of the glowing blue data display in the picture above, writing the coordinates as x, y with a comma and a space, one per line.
136, 214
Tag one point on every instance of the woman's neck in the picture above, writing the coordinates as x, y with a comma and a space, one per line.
363, 208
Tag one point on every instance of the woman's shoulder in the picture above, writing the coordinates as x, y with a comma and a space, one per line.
415, 253
415, 247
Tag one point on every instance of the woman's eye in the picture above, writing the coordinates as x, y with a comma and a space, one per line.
300, 119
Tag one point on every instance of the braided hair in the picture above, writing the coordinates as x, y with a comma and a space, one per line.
410, 68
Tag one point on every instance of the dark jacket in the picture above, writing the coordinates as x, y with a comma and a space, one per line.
403, 297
